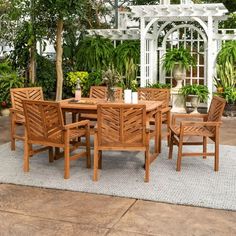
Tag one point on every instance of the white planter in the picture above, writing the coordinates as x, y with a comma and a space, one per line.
128, 95
195, 103
179, 75
5, 112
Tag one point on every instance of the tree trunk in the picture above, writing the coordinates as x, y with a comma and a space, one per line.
59, 52
32, 69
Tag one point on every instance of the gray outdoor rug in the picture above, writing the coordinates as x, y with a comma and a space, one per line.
123, 175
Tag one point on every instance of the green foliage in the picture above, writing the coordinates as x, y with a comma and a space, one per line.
8, 79
71, 80
181, 56
94, 53
226, 75
196, 89
94, 78
229, 94
126, 60
227, 53
158, 85
46, 76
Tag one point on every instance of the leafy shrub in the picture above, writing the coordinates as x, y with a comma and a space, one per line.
8, 79
46, 76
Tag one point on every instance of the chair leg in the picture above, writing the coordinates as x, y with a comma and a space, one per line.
168, 128
67, 161
13, 132
170, 146
50, 154
100, 159
204, 146
26, 156
178, 168
88, 150
147, 166
95, 159
216, 168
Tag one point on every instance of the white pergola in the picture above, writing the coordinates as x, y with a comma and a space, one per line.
167, 25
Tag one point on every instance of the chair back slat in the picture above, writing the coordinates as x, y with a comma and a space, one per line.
155, 94
44, 121
216, 110
121, 125
100, 92
20, 94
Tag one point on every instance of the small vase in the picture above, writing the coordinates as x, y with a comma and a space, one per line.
111, 94
134, 97
128, 95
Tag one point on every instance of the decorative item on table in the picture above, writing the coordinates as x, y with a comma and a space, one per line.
134, 97
78, 91
111, 78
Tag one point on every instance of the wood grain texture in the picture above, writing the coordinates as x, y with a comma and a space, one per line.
17, 115
121, 127
45, 126
208, 127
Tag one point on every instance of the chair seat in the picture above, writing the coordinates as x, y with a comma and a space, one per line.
192, 131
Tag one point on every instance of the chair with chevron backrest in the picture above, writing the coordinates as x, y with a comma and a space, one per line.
17, 115
158, 94
121, 127
188, 128
100, 92
45, 126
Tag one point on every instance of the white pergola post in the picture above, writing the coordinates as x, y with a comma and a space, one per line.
210, 57
142, 53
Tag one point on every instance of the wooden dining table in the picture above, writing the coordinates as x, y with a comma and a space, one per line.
89, 106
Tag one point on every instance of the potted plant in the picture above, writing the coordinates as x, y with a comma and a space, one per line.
111, 78
196, 92
178, 61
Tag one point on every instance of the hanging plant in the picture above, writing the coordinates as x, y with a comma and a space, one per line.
94, 53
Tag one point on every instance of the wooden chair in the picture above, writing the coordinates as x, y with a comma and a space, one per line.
208, 128
121, 127
45, 126
100, 92
156, 94
16, 112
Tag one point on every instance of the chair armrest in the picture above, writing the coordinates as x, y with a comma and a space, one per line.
166, 109
77, 124
200, 124
187, 116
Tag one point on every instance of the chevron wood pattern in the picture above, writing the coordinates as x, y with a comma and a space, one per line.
208, 128
17, 116
156, 94
100, 92
121, 127
45, 126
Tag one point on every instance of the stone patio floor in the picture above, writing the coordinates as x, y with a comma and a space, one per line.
36, 211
